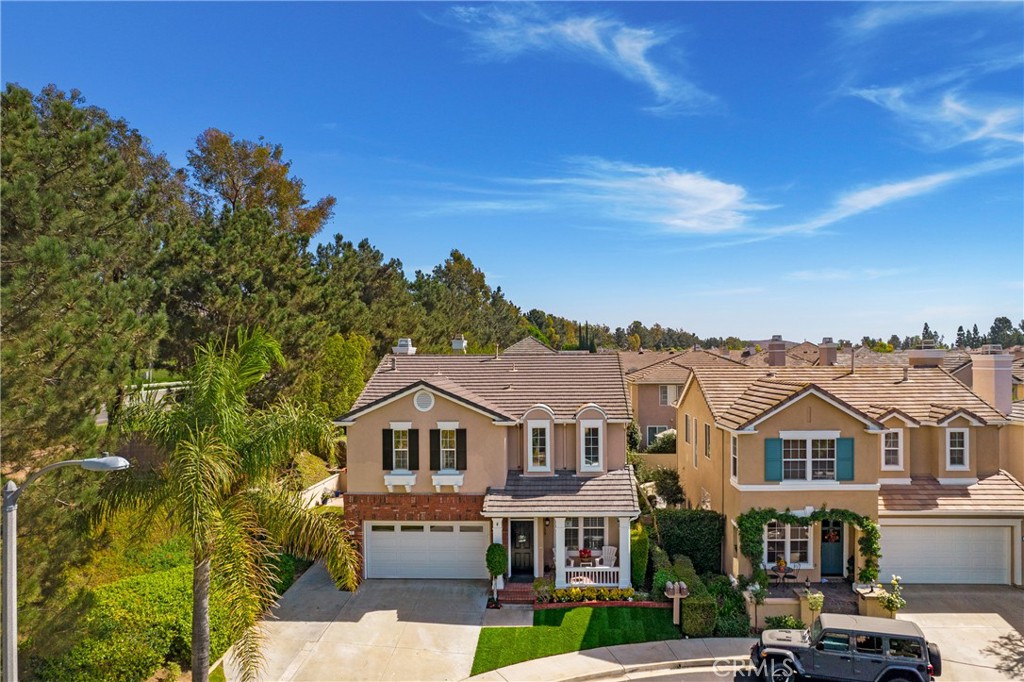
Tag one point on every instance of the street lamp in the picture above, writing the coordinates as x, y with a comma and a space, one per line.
10, 558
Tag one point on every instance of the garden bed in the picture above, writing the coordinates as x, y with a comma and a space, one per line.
537, 606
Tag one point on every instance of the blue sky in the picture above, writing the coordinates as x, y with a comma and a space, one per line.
818, 169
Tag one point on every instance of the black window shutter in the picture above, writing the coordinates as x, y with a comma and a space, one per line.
389, 452
460, 449
414, 449
435, 449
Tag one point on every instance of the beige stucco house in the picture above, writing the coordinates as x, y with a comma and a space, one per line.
911, 447
448, 453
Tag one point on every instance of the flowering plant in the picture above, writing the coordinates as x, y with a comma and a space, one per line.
585, 553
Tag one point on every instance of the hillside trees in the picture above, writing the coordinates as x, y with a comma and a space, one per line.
83, 201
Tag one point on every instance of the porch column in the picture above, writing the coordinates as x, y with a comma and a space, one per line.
538, 547
559, 552
496, 538
625, 560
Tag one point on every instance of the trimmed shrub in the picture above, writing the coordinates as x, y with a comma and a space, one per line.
666, 484
134, 626
659, 558
639, 553
662, 577
700, 609
665, 442
696, 533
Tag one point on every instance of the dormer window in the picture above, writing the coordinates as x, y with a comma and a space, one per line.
538, 446
892, 450
591, 445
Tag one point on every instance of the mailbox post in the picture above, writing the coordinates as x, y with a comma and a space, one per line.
676, 592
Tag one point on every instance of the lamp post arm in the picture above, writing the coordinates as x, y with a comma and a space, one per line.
12, 493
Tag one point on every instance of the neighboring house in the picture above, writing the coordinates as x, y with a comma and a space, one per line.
911, 447
447, 453
654, 389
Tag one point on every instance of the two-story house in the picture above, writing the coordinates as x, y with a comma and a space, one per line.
911, 447
448, 453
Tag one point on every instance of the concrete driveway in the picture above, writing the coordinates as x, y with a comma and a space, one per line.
979, 629
387, 630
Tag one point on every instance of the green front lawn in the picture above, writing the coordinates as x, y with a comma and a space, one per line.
559, 631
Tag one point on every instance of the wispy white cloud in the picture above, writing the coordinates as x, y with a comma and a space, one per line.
874, 197
665, 199
843, 275
456, 206
879, 16
507, 31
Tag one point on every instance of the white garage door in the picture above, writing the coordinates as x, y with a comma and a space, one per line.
407, 549
946, 554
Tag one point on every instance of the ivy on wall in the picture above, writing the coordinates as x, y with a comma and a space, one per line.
751, 527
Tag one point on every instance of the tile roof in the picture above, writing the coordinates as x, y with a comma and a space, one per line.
1017, 412
528, 346
565, 493
676, 369
509, 385
633, 360
737, 396
997, 493
1018, 371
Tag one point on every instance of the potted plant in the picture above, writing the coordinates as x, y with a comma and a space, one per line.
815, 602
497, 560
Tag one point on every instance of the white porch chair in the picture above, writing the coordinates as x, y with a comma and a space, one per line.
608, 555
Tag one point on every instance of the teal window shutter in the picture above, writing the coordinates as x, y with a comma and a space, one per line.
844, 459
773, 459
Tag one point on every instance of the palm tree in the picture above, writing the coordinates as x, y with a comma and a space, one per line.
220, 479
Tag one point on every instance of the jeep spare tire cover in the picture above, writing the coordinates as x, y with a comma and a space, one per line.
935, 658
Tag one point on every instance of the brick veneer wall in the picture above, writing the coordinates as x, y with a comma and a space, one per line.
411, 507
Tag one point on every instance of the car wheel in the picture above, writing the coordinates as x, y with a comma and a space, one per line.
779, 670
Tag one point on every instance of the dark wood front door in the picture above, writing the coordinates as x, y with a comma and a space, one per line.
831, 547
521, 539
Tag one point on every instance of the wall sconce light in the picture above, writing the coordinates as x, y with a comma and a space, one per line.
807, 582
547, 522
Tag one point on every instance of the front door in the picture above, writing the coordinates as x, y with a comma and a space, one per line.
522, 547
832, 547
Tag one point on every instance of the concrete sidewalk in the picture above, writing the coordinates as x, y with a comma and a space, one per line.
619, 661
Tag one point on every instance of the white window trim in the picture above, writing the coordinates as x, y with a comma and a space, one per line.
454, 450
670, 395
810, 547
654, 426
579, 528
590, 424
448, 426
394, 449
734, 457
807, 437
400, 426
530, 426
899, 448
967, 450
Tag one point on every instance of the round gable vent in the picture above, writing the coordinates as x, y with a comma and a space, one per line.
424, 400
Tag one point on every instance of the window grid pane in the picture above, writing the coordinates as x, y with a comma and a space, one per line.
591, 446
593, 532
400, 440
823, 459
957, 449
892, 449
794, 460
539, 448
735, 457
447, 448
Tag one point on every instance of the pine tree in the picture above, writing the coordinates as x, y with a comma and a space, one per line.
961, 337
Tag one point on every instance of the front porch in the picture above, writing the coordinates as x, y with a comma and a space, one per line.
576, 528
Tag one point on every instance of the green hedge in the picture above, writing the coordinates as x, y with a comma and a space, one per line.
700, 609
696, 533
134, 625
639, 553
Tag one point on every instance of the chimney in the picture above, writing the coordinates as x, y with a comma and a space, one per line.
459, 344
827, 354
926, 355
993, 376
777, 352
404, 347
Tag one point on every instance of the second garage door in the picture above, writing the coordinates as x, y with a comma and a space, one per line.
425, 550
945, 554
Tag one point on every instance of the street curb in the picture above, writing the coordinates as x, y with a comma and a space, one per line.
661, 665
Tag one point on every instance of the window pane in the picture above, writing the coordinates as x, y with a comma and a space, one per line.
904, 648
892, 449
539, 448
823, 459
591, 446
869, 644
836, 641
447, 448
794, 460
799, 542
400, 439
442, 529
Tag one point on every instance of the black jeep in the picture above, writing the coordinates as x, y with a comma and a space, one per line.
848, 648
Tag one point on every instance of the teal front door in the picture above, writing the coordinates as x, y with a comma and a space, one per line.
831, 548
